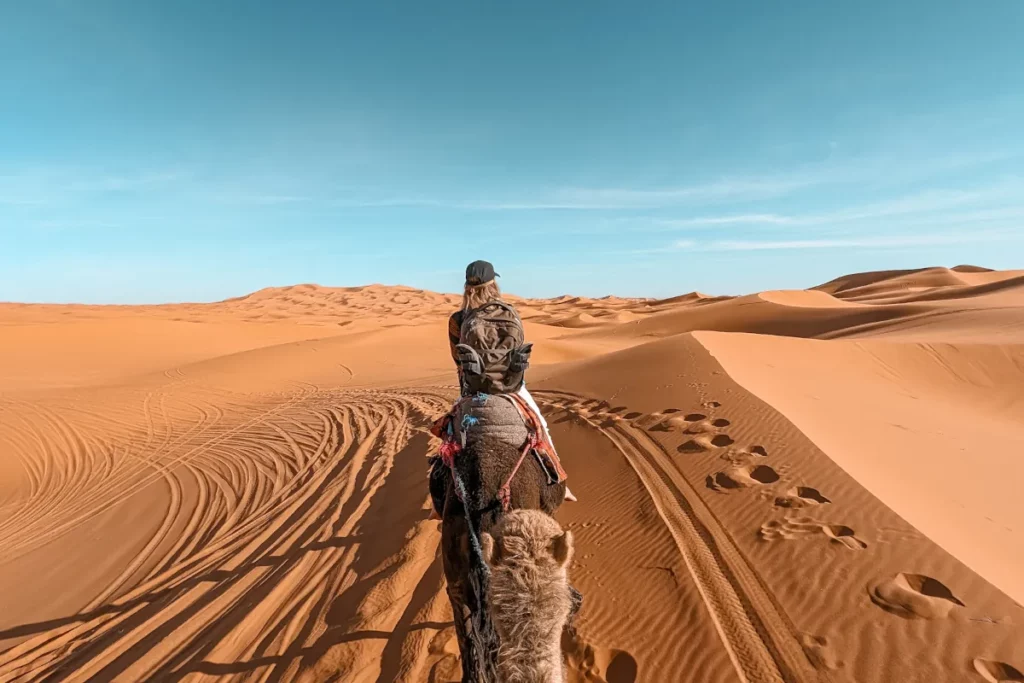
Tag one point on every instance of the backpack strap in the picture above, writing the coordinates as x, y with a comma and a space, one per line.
500, 304
520, 360
469, 360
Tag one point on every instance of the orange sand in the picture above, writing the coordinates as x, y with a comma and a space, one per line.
818, 485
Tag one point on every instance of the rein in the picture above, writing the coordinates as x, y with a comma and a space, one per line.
479, 581
505, 492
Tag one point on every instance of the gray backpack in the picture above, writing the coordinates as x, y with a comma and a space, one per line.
492, 352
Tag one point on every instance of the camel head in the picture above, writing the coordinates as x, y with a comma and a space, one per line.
529, 600
528, 536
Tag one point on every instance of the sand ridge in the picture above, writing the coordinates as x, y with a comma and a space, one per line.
811, 485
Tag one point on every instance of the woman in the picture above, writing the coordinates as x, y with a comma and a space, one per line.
481, 289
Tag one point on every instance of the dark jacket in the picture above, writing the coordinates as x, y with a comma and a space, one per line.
454, 332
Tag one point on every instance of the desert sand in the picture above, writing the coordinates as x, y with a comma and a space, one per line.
819, 485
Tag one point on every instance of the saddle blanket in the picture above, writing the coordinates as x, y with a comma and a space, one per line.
507, 417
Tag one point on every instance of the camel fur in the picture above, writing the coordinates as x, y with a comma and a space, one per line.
529, 599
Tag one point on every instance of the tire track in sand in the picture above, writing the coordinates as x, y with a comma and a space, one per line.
756, 635
263, 550
114, 490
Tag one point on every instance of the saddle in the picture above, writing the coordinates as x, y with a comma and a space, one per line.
455, 428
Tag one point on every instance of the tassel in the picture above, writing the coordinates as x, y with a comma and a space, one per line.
448, 451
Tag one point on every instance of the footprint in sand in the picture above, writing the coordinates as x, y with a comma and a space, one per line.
609, 416
843, 535
444, 647
672, 419
717, 440
704, 433
705, 442
914, 596
574, 410
801, 497
997, 672
621, 668
819, 651
797, 527
581, 406
586, 663
744, 456
741, 476
649, 421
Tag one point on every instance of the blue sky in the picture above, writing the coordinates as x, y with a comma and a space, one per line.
166, 151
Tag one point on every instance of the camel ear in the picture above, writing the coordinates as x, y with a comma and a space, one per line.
487, 545
561, 548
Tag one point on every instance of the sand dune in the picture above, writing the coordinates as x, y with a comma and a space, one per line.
933, 430
937, 283
814, 485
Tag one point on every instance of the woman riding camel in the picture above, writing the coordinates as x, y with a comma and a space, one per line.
487, 344
481, 289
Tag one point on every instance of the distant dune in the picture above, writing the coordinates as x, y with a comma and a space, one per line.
814, 485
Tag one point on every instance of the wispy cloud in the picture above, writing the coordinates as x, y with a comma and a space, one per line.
538, 204
602, 199
19, 200
48, 185
921, 203
263, 199
877, 172
57, 183
737, 189
748, 188
118, 182
733, 190
680, 245
734, 219
867, 242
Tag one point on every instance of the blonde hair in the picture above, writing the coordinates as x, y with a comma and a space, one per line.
476, 296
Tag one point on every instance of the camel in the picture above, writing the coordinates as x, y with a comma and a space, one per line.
529, 601
482, 468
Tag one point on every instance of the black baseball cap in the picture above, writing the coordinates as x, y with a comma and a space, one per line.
479, 273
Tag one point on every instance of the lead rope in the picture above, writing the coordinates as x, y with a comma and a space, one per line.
479, 583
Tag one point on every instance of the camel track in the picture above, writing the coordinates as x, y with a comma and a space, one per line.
258, 568
760, 641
